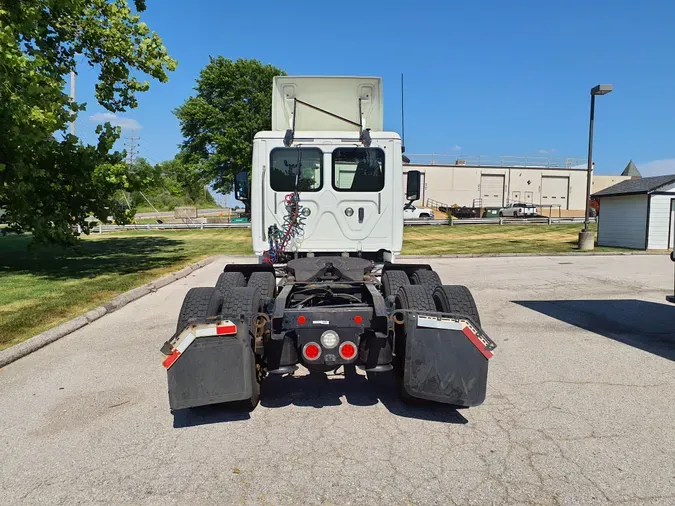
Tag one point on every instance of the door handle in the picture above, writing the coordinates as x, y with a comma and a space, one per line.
362, 213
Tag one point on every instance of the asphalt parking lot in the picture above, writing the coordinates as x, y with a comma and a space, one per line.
580, 408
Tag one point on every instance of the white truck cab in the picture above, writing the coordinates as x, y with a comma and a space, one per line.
327, 145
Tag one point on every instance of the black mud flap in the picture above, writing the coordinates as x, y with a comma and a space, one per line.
446, 359
212, 370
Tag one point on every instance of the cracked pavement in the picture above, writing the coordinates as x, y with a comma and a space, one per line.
580, 408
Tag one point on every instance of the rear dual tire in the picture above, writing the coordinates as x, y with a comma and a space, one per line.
426, 277
199, 303
228, 280
456, 299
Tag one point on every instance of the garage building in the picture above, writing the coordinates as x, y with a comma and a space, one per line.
639, 213
558, 185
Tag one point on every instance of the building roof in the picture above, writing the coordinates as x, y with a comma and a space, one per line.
631, 170
637, 186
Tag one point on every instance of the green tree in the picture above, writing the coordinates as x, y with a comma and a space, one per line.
172, 183
188, 177
233, 102
49, 181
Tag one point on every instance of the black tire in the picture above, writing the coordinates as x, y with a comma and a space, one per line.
417, 297
456, 299
241, 300
246, 301
392, 281
229, 280
425, 215
199, 303
426, 277
501, 214
265, 282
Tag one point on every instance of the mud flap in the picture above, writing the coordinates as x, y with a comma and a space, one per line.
446, 359
212, 370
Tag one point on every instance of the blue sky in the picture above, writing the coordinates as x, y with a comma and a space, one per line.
482, 77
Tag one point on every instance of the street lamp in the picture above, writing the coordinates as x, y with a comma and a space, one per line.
587, 237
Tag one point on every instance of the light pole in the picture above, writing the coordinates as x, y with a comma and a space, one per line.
587, 237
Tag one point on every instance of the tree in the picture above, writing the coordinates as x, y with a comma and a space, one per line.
189, 179
49, 181
174, 183
233, 103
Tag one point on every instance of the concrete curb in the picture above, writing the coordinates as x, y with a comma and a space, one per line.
36, 342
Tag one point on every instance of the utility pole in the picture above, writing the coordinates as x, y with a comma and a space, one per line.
132, 145
72, 99
130, 158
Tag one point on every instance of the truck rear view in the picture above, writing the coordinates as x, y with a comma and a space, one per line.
326, 198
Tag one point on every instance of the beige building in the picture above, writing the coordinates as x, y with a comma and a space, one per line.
560, 188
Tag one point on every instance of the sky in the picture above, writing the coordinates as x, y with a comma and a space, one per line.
482, 77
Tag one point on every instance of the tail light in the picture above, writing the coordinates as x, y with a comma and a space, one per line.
348, 350
311, 351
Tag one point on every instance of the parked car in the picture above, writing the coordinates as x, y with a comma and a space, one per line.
411, 212
518, 210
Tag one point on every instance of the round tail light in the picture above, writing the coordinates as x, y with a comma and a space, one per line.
330, 339
311, 351
348, 350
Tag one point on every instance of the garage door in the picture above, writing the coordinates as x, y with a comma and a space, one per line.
555, 191
492, 190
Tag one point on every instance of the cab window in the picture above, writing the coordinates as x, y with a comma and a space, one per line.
302, 164
358, 169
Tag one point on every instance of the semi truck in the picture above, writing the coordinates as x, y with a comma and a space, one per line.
326, 291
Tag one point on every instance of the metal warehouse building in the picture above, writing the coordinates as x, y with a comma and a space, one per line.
558, 184
639, 213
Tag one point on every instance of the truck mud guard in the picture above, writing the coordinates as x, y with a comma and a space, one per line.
407, 268
446, 358
210, 363
248, 269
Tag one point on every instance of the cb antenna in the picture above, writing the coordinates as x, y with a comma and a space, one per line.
402, 118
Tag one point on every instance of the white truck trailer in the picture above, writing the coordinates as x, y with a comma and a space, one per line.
327, 225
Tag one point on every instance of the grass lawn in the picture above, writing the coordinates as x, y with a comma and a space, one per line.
42, 287
466, 239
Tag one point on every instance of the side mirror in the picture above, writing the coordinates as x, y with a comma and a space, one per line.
412, 191
241, 187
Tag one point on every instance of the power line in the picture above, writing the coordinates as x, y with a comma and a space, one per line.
133, 148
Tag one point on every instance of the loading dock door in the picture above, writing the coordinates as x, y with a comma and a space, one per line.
492, 190
555, 191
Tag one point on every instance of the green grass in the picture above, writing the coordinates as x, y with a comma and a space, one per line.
476, 239
43, 287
